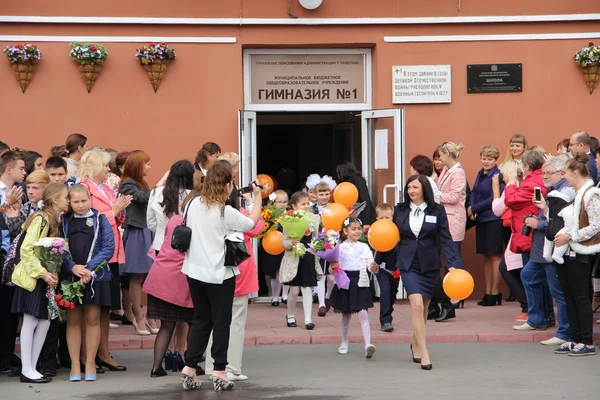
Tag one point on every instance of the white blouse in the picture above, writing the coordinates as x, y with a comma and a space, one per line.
417, 215
155, 215
354, 255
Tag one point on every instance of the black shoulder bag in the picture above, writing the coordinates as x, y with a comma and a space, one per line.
182, 234
235, 248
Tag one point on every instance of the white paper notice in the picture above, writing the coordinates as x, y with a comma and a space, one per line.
381, 149
421, 84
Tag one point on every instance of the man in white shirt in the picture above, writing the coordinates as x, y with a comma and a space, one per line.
12, 171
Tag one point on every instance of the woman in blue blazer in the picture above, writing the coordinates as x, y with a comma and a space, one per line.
421, 222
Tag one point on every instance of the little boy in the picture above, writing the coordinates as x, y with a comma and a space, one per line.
388, 276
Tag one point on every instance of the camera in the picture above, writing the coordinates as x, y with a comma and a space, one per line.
248, 189
526, 231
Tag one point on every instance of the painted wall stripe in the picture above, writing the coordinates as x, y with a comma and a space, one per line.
116, 39
491, 38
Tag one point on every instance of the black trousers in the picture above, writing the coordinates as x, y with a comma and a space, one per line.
388, 289
513, 280
212, 313
8, 325
55, 344
440, 298
574, 276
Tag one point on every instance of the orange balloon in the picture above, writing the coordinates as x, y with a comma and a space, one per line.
383, 235
345, 193
267, 183
333, 215
458, 284
272, 242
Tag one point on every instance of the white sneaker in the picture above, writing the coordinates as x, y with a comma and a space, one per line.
343, 351
234, 377
554, 341
113, 326
524, 327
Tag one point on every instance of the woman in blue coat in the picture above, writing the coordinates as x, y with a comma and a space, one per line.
422, 222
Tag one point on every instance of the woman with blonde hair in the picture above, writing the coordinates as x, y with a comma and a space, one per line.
92, 170
516, 147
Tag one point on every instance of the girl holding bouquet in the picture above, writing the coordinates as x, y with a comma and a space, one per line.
299, 270
33, 279
355, 259
92, 244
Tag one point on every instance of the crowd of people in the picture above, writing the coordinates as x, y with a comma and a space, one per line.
536, 216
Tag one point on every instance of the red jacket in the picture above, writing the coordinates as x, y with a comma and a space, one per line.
247, 281
520, 201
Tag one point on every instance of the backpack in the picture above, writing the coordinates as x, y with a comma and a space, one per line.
13, 257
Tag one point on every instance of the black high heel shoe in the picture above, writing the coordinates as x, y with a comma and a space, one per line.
484, 300
415, 360
427, 367
458, 304
178, 363
446, 314
110, 367
493, 299
158, 372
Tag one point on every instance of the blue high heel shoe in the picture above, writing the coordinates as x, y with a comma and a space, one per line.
168, 360
75, 378
177, 362
90, 378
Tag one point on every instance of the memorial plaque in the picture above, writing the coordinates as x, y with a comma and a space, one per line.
494, 78
418, 84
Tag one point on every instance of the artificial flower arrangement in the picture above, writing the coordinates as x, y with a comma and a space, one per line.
153, 52
51, 251
88, 53
588, 59
297, 224
71, 293
270, 214
23, 53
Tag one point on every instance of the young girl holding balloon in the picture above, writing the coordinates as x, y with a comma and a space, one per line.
355, 259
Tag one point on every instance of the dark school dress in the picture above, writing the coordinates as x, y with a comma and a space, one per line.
306, 275
81, 237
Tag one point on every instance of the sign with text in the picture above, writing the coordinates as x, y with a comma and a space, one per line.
308, 79
414, 84
494, 78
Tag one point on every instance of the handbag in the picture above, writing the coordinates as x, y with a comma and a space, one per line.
235, 248
182, 234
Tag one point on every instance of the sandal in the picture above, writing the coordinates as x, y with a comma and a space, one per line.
220, 385
189, 383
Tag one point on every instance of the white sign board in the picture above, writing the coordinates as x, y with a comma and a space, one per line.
417, 84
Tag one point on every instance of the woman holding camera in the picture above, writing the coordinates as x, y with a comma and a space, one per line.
211, 282
488, 226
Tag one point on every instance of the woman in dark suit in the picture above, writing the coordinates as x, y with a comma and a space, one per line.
347, 172
421, 222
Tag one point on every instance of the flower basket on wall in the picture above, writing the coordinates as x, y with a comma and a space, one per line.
23, 58
90, 58
154, 58
588, 59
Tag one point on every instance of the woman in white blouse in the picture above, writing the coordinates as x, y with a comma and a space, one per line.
211, 282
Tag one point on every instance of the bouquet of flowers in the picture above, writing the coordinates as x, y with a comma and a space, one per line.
72, 292
51, 251
154, 51
325, 246
588, 55
270, 214
88, 53
296, 224
23, 53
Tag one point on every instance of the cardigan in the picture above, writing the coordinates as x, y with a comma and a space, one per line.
453, 184
155, 214
135, 214
482, 195
205, 259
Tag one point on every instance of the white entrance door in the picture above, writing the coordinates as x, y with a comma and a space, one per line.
383, 158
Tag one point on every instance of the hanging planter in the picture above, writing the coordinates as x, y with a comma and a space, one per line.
23, 58
588, 59
154, 58
90, 57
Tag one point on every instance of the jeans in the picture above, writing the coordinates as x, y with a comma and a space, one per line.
212, 313
574, 276
541, 285
388, 287
513, 280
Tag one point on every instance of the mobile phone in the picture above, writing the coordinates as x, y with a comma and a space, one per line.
537, 194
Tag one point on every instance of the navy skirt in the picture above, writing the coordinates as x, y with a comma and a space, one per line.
100, 296
269, 263
352, 300
417, 282
33, 303
137, 242
306, 275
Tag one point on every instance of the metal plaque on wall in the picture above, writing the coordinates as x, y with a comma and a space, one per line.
494, 78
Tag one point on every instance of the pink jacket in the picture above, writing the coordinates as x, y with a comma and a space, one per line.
247, 281
165, 280
103, 204
452, 186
